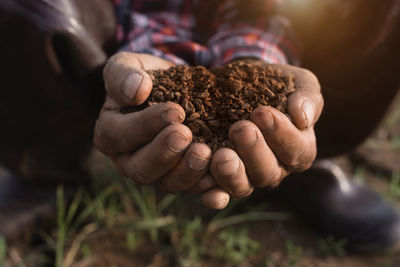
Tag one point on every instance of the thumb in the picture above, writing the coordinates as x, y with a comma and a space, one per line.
126, 79
306, 103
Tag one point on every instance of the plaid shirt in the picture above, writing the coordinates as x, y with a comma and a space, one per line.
205, 32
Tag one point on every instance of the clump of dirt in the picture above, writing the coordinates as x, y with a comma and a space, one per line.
214, 99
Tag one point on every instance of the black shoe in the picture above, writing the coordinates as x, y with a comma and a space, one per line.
340, 208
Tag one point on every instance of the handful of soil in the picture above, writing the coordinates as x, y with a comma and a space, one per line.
214, 99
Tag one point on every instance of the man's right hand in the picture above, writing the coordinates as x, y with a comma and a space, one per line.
151, 145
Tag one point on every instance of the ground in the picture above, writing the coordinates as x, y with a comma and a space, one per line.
116, 223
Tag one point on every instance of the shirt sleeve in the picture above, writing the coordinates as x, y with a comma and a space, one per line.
163, 34
252, 29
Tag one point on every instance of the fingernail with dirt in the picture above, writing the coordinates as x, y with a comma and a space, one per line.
172, 115
221, 202
308, 112
265, 121
228, 166
177, 142
131, 85
196, 162
245, 136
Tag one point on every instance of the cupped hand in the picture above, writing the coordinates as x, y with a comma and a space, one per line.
271, 144
151, 146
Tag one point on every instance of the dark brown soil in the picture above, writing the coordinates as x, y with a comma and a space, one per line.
214, 99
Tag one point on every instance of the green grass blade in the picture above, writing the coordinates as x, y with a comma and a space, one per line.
73, 207
91, 206
62, 231
166, 202
138, 199
150, 224
48, 239
247, 217
77, 243
3, 251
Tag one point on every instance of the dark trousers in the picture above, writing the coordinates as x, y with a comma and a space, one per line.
51, 83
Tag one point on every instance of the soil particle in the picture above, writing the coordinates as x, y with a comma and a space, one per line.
214, 99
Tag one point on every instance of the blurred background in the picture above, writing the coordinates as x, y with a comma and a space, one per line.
113, 222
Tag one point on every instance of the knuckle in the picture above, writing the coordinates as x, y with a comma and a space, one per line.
300, 155
300, 164
119, 58
275, 181
110, 65
128, 61
307, 73
312, 77
303, 161
271, 178
303, 72
293, 162
296, 163
306, 164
